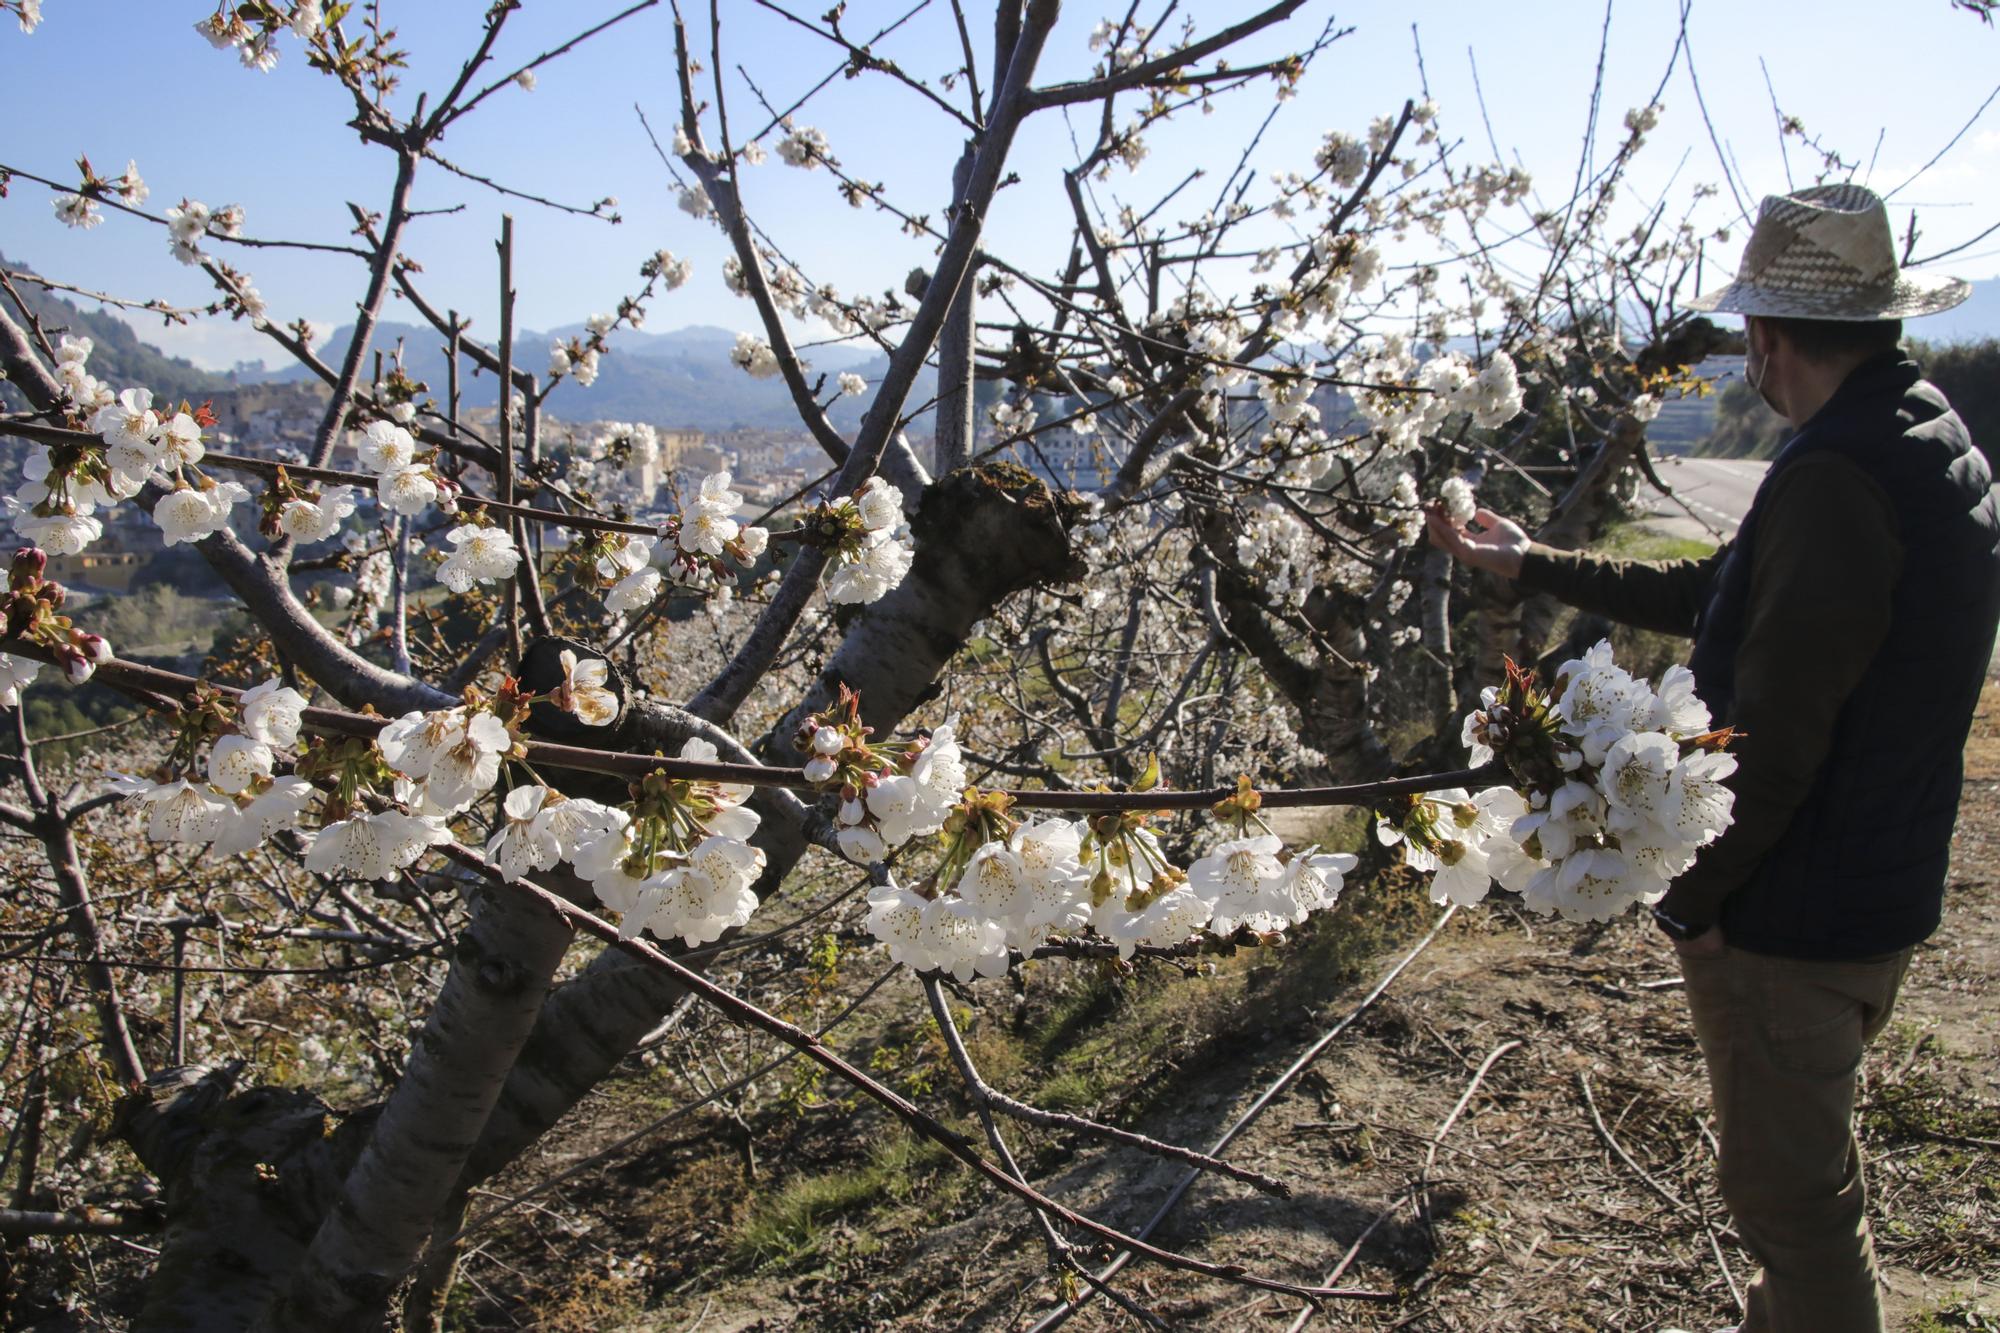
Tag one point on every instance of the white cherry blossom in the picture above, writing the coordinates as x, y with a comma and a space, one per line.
586, 693
407, 490
880, 566
1239, 879
15, 675
483, 555
307, 521
234, 762
279, 806
384, 447
58, 533
185, 812
192, 513
376, 846
956, 937
524, 842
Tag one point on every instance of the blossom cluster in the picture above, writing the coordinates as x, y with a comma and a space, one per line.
1008, 886
678, 863
481, 553
577, 357
803, 146
754, 357
406, 480
251, 30
63, 485
888, 792
192, 220
307, 514
680, 866
234, 799
864, 533
80, 209
1279, 550
1445, 386
1618, 784
703, 547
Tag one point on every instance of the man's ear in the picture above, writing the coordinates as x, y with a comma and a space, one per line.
1761, 334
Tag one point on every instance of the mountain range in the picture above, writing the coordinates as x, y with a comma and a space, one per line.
682, 377
118, 355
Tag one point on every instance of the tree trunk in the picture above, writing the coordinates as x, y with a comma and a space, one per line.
247, 1179
370, 1239
1330, 691
982, 534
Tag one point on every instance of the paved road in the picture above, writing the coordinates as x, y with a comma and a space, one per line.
1711, 495
1718, 491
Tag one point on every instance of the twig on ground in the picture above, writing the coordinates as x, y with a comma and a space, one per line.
1673, 1200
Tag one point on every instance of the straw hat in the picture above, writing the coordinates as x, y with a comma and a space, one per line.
1827, 253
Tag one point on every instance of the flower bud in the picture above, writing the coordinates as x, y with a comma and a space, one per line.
93, 646
29, 564
820, 768
852, 811
828, 740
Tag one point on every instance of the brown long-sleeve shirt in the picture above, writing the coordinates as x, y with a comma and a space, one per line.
1826, 563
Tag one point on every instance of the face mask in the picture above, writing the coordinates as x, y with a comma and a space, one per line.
1755, 372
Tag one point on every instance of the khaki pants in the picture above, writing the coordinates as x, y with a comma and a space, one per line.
1783, 1040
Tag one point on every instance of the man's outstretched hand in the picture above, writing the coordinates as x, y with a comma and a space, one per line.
1489, 542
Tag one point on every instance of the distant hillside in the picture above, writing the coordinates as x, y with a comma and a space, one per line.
679, 378
119, 357
1967, 372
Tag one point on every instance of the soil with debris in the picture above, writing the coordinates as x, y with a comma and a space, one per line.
1573, 1189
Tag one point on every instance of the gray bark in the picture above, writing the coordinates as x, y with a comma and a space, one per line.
21, 367
368, 311
246, 1180
458, 1063
955, 344
1434, 587
73, 888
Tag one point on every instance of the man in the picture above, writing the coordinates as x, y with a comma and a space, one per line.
1846, 632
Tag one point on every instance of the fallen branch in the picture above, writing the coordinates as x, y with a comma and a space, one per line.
1417, 1186
1062, 1254
1057, 1317
956, 1145
86, 1221
1076, 1124
1673, 1200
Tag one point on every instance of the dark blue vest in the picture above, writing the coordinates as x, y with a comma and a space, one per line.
1861, 868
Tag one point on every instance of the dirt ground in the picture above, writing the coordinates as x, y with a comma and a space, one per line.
1574, 1190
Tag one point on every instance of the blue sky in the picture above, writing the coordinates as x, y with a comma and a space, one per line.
122, 79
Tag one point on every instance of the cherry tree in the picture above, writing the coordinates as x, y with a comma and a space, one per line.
1039, 685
